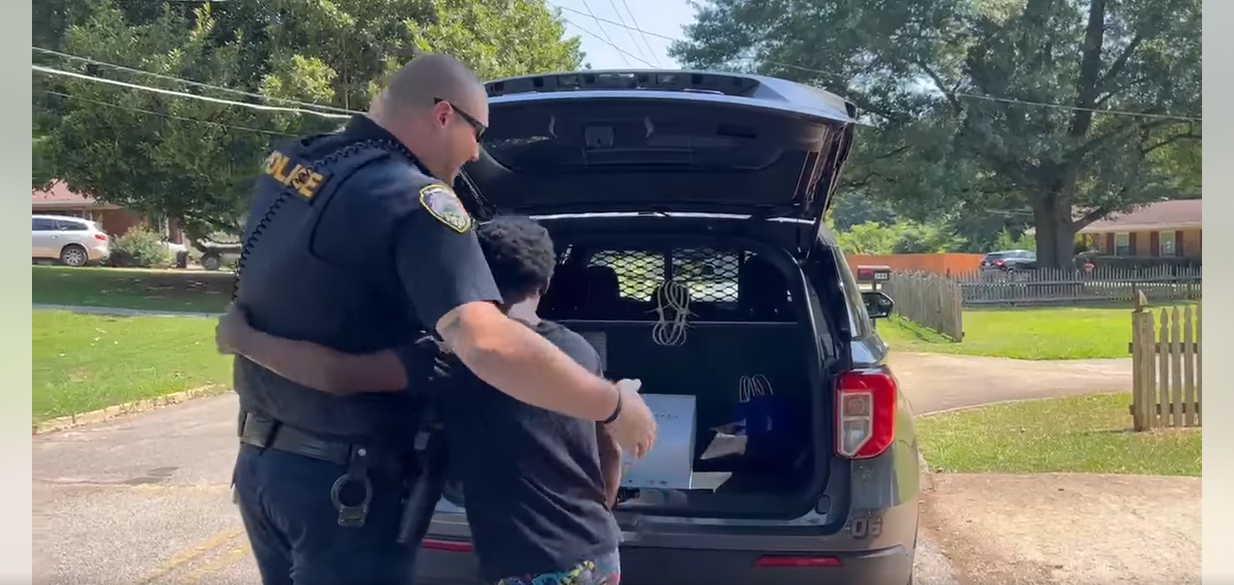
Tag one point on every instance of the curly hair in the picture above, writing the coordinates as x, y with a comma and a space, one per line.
520, 254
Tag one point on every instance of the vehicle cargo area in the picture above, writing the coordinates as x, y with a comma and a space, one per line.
721, 326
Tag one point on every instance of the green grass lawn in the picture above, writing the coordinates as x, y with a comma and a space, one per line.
1023, 333
1088, 434
86, 362
176, 290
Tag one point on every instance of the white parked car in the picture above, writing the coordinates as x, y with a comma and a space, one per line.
71, 240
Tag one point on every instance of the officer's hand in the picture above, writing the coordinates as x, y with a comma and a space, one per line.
635, 427
228, 330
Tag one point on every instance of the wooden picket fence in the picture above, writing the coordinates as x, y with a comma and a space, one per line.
930, 300
1077, 287
1166, 357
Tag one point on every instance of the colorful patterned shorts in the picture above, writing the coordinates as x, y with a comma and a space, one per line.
603, 571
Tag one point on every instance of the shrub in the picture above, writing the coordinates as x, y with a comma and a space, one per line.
1136, 262
140, 247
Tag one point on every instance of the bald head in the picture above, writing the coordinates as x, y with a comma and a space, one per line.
438, 109
426, 78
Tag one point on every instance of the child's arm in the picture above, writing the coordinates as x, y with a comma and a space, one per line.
610, 464
308, 364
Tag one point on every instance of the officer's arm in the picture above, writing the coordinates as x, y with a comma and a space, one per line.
449, 283
309, 364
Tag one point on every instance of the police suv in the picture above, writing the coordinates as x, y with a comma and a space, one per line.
687, 212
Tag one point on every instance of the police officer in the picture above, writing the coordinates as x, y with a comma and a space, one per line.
356, 241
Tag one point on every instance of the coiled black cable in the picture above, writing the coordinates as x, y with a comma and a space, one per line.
268, 216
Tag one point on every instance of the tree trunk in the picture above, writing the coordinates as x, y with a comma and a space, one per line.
1055, 234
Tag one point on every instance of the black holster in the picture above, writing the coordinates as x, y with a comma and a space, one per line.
426, 487
431, 452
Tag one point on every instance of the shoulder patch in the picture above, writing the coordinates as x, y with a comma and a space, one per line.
441, 203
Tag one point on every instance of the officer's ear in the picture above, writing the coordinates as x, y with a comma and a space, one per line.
441, 113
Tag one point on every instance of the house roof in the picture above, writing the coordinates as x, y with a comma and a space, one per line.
58, 196
1176, 214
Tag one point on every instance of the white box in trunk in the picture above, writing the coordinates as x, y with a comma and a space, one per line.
670, 463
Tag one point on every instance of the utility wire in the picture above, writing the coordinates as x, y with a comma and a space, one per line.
1075, 108
190, 82
166, 115
605, 32
623, 52
50, 71
641, 33
630, 31
952, 93
608, 41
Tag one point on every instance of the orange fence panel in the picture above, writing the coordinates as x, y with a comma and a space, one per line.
943, 264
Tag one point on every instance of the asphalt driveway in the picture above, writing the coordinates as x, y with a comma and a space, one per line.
144, 499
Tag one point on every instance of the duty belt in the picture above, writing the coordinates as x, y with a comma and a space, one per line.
267, 433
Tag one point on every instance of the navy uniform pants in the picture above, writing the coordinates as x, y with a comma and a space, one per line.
284, 500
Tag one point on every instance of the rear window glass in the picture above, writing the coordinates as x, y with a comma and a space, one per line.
858, 317
626, 284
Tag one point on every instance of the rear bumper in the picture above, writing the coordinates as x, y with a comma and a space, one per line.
666, 566
99, 253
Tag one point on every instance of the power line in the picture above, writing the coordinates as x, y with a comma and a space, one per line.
624, 52
166, 115
605, 32
629, 32
51, 71
1076, 108
956, 94
642, 34
622, 25
189, 81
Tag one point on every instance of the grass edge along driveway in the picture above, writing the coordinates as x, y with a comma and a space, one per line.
86, 362
158, 290
1075, 434
1051, 333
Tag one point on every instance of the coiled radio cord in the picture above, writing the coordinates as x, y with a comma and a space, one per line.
251, 241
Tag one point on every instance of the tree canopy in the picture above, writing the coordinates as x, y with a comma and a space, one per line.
999, 109
194, 160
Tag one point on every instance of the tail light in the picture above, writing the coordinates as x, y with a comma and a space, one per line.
865, 412
100, 237
772, 561
457, 546
998, 262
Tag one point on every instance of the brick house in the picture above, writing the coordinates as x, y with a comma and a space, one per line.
112, 219
1163, 229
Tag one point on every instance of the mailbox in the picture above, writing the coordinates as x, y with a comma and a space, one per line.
873, 274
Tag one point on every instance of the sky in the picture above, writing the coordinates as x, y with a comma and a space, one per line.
662, 17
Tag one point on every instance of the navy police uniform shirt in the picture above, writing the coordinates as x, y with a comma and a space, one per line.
418, 217
363, 251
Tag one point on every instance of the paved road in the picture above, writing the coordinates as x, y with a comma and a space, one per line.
937, 382
144, 499
121, 311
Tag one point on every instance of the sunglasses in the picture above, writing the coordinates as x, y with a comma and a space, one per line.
476, 126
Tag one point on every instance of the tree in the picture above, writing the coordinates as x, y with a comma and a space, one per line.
193, 160
181, 158
1131, 55
905, 237
919, 70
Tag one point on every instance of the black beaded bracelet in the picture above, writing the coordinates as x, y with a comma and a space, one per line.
616, 411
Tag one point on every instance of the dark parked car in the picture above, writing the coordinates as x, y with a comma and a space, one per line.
643, 178
1009, 260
